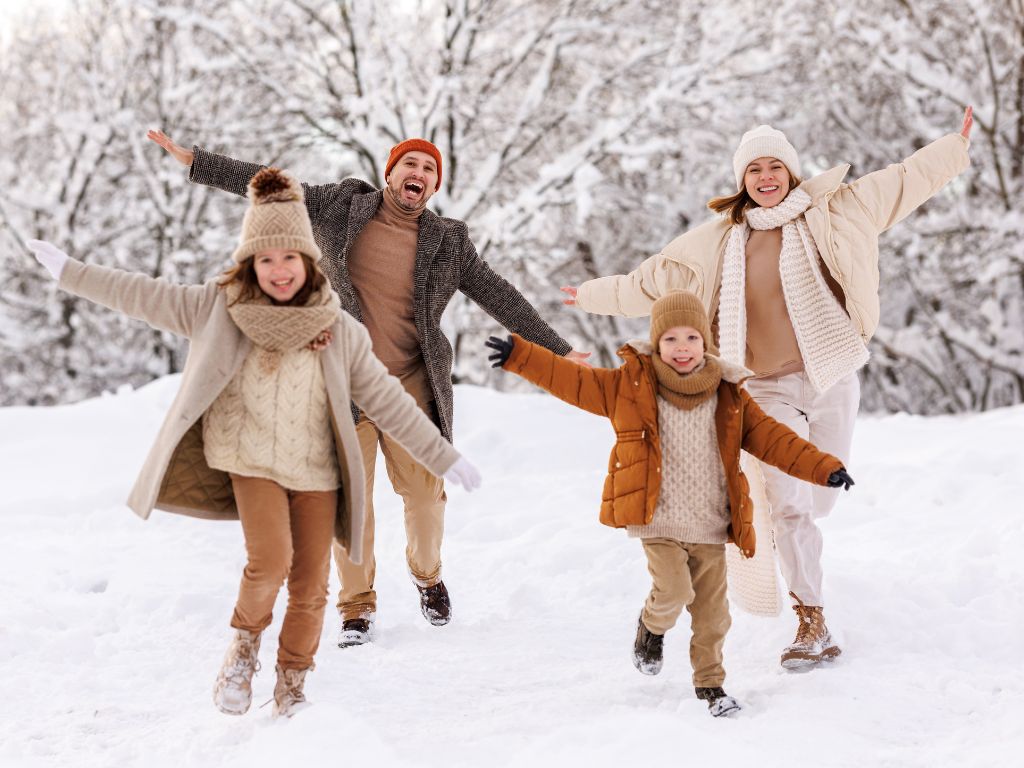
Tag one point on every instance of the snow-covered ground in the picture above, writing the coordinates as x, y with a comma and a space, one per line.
112, 629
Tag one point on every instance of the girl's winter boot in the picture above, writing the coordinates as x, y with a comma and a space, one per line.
232, 693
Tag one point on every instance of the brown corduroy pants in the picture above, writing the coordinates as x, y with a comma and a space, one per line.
690, 576
424, 497
288, 536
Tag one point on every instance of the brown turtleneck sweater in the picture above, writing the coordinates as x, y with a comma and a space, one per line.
772, 348
381, 267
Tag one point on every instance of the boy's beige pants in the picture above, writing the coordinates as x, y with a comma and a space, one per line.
288, 536
424, 497
690, 576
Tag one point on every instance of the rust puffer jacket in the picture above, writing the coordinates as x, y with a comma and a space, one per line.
628, 396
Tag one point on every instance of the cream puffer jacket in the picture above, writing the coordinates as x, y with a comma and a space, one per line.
845, 221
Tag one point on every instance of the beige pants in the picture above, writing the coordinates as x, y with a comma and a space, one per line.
690, 576
827, 420
288, 536
424, 498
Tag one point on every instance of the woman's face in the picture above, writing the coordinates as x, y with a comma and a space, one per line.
280, 273
766, 181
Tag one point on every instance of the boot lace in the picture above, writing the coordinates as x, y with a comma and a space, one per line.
244, 664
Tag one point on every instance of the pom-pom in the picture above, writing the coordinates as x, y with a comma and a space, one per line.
272, 185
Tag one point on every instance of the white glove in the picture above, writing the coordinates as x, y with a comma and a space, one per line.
50, 256
463, 473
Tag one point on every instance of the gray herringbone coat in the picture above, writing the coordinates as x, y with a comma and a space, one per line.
446, 262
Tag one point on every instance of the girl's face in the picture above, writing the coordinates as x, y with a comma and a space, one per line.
682, 347
280, 273
766, 181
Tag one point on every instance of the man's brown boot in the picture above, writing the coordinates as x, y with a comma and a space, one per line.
813, 641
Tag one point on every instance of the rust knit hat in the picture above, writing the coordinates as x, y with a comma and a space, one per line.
414, 145
680, 308
276, 218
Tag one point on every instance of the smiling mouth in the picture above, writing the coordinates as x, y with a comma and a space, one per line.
282, 283
413, 187
767, 190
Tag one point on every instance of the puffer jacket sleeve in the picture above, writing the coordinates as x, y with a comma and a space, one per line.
674, 268
163, 305
891, 194
778, 445
592, 389
383, 398
632, 295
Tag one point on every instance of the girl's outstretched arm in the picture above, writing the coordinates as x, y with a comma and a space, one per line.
163, 305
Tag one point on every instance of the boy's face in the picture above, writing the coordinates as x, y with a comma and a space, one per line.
682, 347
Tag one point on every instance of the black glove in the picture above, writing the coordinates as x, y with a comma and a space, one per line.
502, 350
840, 478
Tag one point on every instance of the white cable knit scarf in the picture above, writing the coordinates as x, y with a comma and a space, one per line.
830, 346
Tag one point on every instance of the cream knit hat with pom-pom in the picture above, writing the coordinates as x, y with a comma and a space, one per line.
276, 218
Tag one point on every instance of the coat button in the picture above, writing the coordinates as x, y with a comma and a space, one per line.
659, 469
618, 464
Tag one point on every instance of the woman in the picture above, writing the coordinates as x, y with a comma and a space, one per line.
790, 273
260, 429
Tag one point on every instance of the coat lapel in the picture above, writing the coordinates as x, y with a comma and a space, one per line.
427, 244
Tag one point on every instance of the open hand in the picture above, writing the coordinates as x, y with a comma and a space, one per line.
50, 256
463, 473
178, 152
965, 130
502, 350
578, 357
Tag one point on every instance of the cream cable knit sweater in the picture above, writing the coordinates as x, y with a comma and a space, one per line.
693, 504
275, 425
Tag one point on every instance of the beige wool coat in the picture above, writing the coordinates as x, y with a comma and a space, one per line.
175, 476
845, 221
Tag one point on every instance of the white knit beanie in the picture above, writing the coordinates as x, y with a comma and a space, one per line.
764, 141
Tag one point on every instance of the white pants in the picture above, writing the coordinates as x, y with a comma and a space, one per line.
826, 420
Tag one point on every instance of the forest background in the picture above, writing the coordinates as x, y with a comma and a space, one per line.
579, 136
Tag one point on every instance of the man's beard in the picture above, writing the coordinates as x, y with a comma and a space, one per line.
410, 207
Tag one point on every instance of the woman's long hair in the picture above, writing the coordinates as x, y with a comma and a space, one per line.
735, 205
245, 274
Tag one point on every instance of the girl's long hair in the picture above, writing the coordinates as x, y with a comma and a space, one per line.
735, 205
245, 274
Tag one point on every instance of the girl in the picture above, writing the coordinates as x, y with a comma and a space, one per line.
674, 478
260, 429
790, 274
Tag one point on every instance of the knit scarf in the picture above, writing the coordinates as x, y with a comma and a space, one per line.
687, 390
276, 329
830, 346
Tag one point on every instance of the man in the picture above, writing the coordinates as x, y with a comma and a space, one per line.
395, 266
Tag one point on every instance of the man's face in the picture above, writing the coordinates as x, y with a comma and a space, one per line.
413, 180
